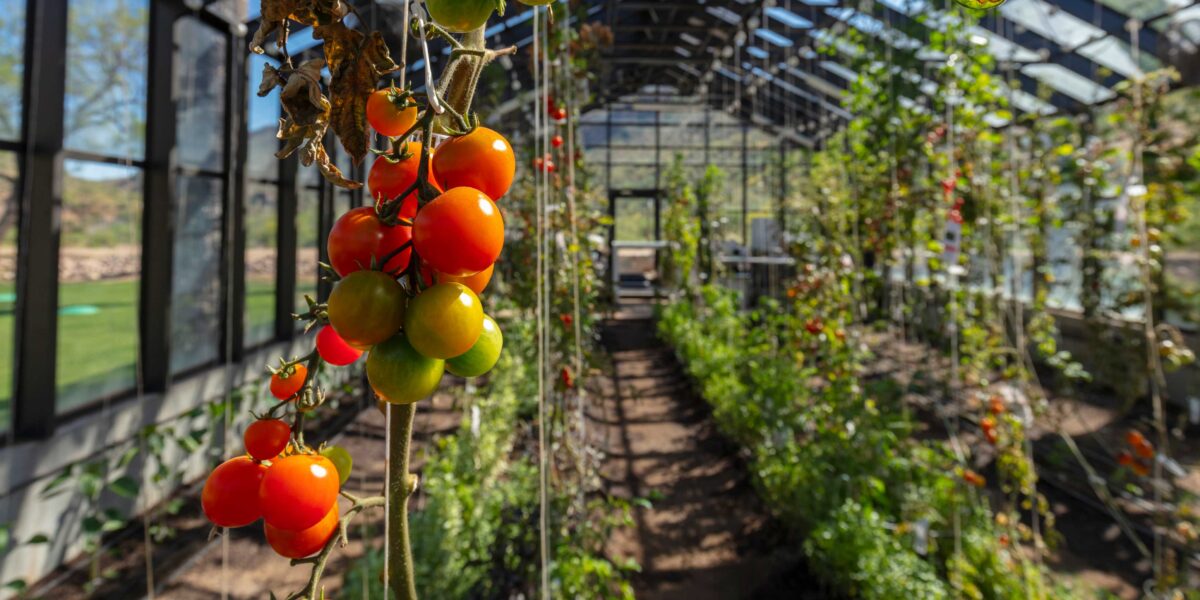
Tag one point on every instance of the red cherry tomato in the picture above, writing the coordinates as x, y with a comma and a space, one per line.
334, 350
359, 240
266, 438
298, 491
230, 495
306, 542
559, 114
556, 141
482, 159
387, 179
460, 233
286, 384
386, 114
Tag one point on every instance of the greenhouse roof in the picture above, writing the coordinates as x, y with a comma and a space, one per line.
1063, 55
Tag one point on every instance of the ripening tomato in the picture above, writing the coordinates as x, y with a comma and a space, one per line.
460, 16
387, 179
460, 233
482, 159
477, 282
483, 355
556, 141
387, 114
536, 2
266, 438
341, 460
334, 350
359, 241
288, 382
980, 4
401, 375
305, 542
298, 490
366, 307
444, 321
230, 495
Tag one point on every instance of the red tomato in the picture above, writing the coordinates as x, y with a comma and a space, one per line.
286, 384
230, 495
334, 350
359, 240
298, 491
306, 542
387, 115
266, 438
460, 233
556, 141
482, 159
814, 326
559, 114
387, 179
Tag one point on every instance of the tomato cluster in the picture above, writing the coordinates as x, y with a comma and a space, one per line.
294, 492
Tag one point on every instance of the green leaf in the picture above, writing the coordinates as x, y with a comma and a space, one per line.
127, 457
17, 585
5, 537
125, 487
92, 525
40, 538
55, 486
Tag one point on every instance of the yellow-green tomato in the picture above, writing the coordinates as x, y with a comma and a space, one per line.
483, 355
399, 374
341, 459
536, 2
461, 16
444, 321
366, 307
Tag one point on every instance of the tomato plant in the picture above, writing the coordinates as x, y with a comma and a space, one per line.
390, 176
304, 542
444, 321
482, 159
401, 375
483, 354
230, 495
388, 113
461, 16
460, 233
266, 438
288, 381
298, 491
334, 350
366, 307
359, 240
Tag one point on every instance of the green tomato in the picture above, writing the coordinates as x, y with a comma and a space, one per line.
444, 321
342, 460
401, 375
461, 16
980, 4
483, 355
536, 2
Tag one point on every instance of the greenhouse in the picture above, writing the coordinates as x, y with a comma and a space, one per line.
591, 299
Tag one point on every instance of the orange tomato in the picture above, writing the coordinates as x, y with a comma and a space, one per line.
482, 159
305, 542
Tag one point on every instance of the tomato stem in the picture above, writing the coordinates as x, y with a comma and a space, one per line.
401, 486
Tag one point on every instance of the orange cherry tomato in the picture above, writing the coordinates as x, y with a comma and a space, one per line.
287, 383
460, 233
387, 115
305, 542
230, 494
298, 491
477, 282
482, 159
266, 438
387, 179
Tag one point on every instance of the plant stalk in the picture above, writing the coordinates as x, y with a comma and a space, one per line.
402, 485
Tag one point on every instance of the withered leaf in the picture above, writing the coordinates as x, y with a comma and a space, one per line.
271, 79
315, 153
276, 13
306, 119
360, 62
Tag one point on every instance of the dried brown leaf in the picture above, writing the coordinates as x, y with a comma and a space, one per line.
271, 79
360, 62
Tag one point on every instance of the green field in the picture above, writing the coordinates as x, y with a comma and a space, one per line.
97, 333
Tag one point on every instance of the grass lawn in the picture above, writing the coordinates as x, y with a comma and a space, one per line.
97, 339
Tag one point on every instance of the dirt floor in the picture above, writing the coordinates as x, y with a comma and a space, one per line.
707, 535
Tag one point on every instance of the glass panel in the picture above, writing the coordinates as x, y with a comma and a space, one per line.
200, 88
12, 68
8, 272
262, 254
635, 220
307, 246
262, 120
196, 300
106, 77
633, 177
99, 275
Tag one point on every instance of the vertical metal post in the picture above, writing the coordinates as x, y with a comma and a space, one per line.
745, 188
285, 275
40, 202
612, 205
234, 217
